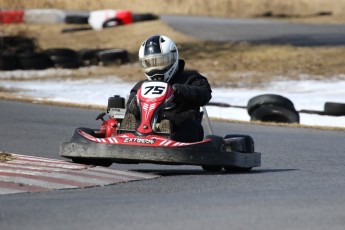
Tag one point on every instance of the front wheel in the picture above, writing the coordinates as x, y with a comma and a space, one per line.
220, 146
212, 168
239, 143
90, 161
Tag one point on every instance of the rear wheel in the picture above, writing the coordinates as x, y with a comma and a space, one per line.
220, 145
239, 143
211, 168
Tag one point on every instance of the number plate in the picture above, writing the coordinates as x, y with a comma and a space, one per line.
153, 89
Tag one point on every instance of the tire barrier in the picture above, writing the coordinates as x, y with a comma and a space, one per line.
272, 108
22, 53
63, 57
96, 19
88, 57
112, 56
273, 113
144, 17
272, 99
11, 16
34, 61
77, 17
44, 16
9, 62
112, 22
334, 109
17, 44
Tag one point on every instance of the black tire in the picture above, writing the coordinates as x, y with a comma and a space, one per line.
65, 62
60, 52
77, 19
220, 145
88, 57
112, 22
217, 141
212, 169
63, 57
34, 61
9, 62
240, 143
273, 113
144, 17
17, 44
92, 161
113, 57
334, 109
271, 99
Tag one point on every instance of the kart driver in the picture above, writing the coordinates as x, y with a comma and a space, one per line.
159, 59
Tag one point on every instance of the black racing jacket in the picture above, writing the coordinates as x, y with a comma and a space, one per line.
194, 93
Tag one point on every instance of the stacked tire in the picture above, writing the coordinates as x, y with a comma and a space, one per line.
63, 58
44, 16
9, 62
22, 53
272, 108
11, 16
31, 61
334, 109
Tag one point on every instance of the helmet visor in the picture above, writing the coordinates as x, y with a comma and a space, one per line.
157, 62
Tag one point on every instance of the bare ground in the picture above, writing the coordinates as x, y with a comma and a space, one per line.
225, 64
224, 8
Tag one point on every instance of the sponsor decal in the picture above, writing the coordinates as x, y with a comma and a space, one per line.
139, 140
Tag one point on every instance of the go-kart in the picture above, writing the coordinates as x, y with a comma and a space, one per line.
147, 144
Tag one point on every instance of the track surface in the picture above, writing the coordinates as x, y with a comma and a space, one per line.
258, 30
300, 185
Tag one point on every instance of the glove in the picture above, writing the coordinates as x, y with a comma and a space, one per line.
179, 92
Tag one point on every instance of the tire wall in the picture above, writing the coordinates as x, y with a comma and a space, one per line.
47, 16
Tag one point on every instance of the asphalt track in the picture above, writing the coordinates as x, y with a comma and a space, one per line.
300, 184
258, 31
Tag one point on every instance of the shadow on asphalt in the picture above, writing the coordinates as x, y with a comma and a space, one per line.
176, 172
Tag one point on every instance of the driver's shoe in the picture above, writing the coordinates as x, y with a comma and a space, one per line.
129, 122
165, 126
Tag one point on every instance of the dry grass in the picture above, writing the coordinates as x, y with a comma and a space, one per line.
233, 63
227, 8
4, 156
230, 64
225, 64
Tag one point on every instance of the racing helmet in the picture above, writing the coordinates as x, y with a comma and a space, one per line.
158, 57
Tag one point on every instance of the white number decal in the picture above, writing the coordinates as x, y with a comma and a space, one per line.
153, 89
